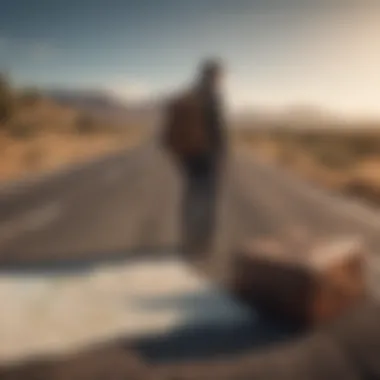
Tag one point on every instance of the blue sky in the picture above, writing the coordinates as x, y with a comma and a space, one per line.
278, 52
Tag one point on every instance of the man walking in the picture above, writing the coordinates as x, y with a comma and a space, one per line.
204, 170
195, 134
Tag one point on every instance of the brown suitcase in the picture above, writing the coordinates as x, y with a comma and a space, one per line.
309, 288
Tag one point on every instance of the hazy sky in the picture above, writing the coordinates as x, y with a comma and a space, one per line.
320, 52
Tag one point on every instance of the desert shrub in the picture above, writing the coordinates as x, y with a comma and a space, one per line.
33, 157
333, 156
355, 145
334, 149
85, 124
365, 145
29, 97
6, 100
361, 189
21, 130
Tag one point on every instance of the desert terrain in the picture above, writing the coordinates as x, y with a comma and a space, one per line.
39, 134
342, 159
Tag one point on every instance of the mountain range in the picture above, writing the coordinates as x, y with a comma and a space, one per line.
108, 107
105, 106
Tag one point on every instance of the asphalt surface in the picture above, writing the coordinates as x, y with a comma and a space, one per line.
133, 203
116, 204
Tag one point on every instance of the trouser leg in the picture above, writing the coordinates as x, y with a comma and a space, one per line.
199, 205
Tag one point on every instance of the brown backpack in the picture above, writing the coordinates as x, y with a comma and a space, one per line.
185, 132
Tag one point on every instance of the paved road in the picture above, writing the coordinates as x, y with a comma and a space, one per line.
133, 200
112, 205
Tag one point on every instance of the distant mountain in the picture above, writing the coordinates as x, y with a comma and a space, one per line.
81, 98
299, 117
105, 106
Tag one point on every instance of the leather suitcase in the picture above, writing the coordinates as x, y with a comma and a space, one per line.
310, 287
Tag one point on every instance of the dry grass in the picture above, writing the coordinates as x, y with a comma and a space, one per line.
51, 151
346, 160
42, 135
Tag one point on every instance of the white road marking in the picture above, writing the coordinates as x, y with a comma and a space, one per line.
32, 220
44, 315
